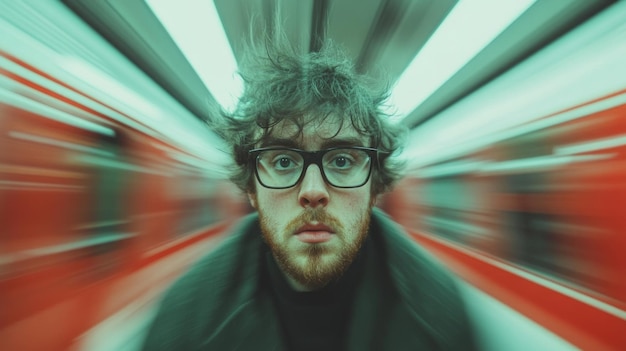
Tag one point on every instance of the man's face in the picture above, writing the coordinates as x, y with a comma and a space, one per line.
314, 229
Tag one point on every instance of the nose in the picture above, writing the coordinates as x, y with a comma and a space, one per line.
313, 188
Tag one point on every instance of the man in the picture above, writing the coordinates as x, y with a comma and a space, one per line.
316, 267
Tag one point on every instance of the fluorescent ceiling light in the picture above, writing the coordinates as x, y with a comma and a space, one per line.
536, 94
468, 29
197, 29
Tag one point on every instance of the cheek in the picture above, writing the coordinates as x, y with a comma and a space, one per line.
274, 201
352, 211
360, 200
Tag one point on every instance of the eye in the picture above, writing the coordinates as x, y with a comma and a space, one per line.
341, 162
284, 162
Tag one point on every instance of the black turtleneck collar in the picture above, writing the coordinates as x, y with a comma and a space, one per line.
315, 320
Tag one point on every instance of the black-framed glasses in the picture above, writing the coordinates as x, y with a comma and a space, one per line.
341, 167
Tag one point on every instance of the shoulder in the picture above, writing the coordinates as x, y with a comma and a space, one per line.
407, 258
221, 269
213, 287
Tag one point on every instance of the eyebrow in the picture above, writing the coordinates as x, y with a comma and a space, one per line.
330, 143
272, 141
337, 142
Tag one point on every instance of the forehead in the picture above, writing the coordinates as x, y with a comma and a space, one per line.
316, 134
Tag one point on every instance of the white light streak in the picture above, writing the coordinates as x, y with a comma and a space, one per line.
197, 29
97, 78
536, 94
468, 29
593, 145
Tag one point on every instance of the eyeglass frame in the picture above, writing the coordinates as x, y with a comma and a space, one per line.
313, 157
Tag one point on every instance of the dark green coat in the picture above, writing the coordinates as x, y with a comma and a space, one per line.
405, 301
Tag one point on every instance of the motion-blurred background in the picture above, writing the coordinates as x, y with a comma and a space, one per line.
111, 183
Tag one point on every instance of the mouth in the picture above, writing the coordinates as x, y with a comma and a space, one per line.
314, 233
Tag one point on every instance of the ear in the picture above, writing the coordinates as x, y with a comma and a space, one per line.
252, 199
374, 200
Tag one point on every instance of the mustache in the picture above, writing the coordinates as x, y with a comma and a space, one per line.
317, 214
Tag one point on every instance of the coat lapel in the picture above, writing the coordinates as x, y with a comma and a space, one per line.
251, 322
382, 316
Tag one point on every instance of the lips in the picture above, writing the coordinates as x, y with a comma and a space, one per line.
312, 233
321, 227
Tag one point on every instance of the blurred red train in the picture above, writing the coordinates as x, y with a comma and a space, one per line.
105, 199
84, 212
529, 203
542, 231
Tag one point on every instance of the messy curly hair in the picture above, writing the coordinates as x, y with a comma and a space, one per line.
282, 84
